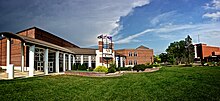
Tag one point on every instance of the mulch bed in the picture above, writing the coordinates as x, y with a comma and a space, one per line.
102, 74
83, 73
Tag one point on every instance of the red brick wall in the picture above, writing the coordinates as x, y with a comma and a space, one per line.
143, 55
207, 50
100, 46
204, 51
45, 36
15, 52
28, 33
3, 53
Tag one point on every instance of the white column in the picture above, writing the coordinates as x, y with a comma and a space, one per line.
10, 71
81, 59
46, 61
195, 49
22, 57
57, 61
73, 59
116, 61
64, 61
69, 62
90, 61
121, 61
8, 51
31, 60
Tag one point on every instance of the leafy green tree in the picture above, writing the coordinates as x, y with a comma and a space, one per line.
181, 51
157, 59
164, 57
189, 54
176, 51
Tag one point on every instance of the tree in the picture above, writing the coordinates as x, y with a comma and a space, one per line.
181, 51
164, 57
189, 50
157, 59
176, 51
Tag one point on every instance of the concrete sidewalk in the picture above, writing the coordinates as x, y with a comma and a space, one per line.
19, 74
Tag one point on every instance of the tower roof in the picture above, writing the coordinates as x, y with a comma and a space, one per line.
142, 47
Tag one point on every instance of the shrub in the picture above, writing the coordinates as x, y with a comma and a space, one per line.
82, 67
147, 63
74, 67
149, 66
91, 69
112, 65
101, 69
141, 67
111, 70
124, 68
129, 68
218, 63
156, 65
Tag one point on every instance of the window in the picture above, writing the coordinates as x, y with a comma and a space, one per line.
135, 62
135, 53
130, 54
130, 62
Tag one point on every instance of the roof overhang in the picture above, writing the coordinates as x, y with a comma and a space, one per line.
11, 35
32, 41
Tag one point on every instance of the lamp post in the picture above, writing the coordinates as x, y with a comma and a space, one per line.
187, 47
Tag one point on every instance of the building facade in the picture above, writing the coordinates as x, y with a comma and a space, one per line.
206, 53
140, 55
34, 49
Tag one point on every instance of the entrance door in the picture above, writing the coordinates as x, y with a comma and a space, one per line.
39, 59
50, 66
40, 66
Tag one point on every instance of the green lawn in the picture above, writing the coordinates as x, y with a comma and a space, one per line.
170, 83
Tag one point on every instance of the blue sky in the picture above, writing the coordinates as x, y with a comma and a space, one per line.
153, 23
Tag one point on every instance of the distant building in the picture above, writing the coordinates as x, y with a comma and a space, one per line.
140, 55
206, 53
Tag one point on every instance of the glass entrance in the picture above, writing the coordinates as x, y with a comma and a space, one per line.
50, 66
39, 59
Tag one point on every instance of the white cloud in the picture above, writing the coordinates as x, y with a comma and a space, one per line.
214, 16
132, 37
215, 4
163, 16
173, 32
79, 21
138, 3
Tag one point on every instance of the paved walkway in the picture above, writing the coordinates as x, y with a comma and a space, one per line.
19, 74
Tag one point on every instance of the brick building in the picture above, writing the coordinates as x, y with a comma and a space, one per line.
207, 53
35, 49
140, 55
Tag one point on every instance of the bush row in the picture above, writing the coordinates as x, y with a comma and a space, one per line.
79, 67
113, 68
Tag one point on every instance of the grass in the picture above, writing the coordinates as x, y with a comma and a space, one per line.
170, 83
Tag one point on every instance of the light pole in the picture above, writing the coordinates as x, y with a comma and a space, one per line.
188, 52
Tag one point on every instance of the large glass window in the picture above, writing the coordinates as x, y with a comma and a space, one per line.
130, 54
130, 62
135, 53
135, 62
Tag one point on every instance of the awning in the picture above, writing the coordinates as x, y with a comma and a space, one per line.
11, 35
32, 41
